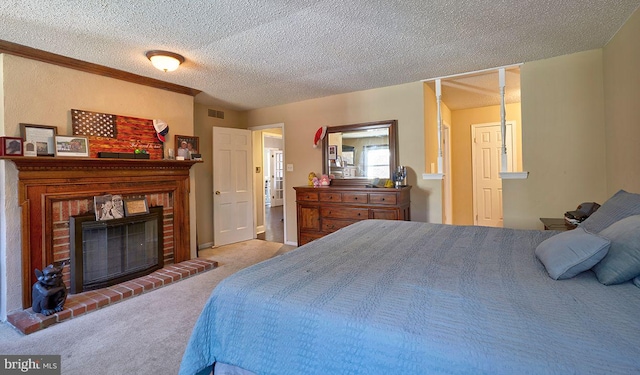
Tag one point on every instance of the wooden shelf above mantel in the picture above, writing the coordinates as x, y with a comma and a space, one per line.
26, 164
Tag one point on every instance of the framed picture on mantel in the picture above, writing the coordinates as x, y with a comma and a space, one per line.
136, 206
186, 146
42, 136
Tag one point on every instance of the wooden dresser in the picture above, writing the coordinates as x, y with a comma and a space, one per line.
323, 210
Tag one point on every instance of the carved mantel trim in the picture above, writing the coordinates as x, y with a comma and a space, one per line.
44, 180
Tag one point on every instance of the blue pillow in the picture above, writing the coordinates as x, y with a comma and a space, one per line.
569, 253
622, 204
622, 263
637, 281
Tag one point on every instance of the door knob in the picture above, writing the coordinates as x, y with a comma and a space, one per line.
217, 192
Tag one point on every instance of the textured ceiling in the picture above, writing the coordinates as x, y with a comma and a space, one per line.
250, 54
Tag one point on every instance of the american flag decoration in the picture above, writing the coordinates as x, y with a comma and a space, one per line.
93, 124
114, 133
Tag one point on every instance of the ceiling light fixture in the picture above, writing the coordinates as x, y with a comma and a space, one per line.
165, 61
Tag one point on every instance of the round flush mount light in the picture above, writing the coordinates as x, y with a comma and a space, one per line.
164, 60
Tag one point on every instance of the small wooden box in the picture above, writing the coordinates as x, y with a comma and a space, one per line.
11, 146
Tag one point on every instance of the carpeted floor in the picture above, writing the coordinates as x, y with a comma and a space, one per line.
143, 335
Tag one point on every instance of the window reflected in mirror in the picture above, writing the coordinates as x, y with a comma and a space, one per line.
359, 154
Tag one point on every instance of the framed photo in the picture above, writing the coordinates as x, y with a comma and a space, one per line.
333, 152
42, 136
186, 146
10, 146
136, 206
108, 207
30, 148
76, 145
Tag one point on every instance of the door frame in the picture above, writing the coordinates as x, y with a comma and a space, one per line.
511, 155
254, 129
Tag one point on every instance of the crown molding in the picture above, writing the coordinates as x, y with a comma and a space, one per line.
87, 67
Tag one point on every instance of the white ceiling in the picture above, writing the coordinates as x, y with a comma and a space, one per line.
250, 54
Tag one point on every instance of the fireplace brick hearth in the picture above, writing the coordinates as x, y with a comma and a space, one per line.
27, 322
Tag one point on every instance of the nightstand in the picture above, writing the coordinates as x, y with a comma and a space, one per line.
556, 224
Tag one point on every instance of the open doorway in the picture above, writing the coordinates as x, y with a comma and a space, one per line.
468, 99
269, 182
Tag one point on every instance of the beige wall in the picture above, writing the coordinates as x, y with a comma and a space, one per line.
40, 93
302, 119
203, 128
622, 107
562, 134
461, 163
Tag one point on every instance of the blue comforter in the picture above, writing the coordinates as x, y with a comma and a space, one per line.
392, 297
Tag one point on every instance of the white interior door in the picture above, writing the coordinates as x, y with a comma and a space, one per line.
277, 178
232, 186
487, 184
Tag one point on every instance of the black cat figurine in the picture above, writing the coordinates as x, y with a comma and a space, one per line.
49, 292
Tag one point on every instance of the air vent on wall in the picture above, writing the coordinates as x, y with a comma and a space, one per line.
217, 114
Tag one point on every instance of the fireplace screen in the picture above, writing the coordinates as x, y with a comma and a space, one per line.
105, 253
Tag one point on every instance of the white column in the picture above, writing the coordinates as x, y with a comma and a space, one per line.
438, 101
503, 122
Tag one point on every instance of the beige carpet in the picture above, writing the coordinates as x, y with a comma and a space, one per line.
143, 335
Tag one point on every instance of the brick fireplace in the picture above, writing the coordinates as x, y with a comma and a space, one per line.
51, 190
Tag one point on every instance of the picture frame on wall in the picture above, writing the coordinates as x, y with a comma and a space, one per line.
187, 146
72, 146
11, 146
43, 136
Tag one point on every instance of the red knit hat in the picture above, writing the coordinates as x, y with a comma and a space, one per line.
320, 133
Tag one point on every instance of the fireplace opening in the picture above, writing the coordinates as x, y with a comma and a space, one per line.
105, 253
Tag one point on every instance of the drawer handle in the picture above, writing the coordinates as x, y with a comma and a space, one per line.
356, 198
358, 213
383, 199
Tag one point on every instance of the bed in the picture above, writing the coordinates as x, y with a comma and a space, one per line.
393, 297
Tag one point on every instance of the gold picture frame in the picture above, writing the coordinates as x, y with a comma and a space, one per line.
136, 206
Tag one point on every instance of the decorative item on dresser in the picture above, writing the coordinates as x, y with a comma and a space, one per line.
321, 211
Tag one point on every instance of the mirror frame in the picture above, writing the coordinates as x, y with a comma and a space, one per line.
392, 125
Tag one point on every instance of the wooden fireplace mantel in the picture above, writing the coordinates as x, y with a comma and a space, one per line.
45, 180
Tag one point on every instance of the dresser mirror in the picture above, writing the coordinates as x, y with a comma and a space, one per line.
357, 154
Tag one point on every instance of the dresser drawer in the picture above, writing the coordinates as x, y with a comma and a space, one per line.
307, 196
355, 198
332, 225
330, 197
306, 237
344, 213
384, 213
381, 198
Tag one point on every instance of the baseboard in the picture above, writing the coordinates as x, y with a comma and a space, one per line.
260, 229
291, 243
207, 245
